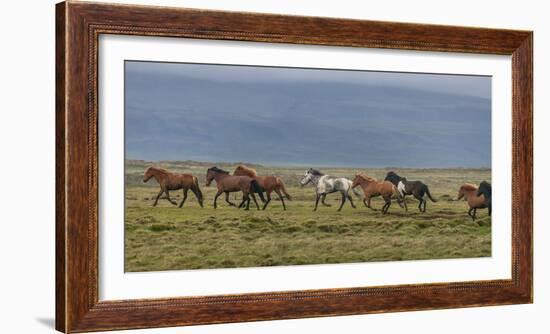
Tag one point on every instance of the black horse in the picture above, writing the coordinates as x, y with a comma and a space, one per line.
485, 190
416, 188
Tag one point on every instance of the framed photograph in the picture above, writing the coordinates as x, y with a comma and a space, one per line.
223, 167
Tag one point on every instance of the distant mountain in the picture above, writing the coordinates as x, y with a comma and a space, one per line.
318, 123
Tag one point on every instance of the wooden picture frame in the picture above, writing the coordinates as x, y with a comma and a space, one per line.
78, 26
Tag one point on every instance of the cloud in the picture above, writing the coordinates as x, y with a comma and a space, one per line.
468, 85
265, 116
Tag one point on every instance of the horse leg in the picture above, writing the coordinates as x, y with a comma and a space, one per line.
387, 205
404, 203
316, 202
169, 199
425, 202
255, 202
343, 201
281, 198
241, 205
350, 200
489, 210
216, 197
366, 201
158, 196
227, 199
184, 197
323, 198
268, 197
247, 198
474, 214
199, 199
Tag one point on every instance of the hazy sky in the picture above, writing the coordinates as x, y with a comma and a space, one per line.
309, 117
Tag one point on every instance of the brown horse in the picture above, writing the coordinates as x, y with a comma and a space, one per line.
230, 183
373, 188
469, 192
269, 183
173, 181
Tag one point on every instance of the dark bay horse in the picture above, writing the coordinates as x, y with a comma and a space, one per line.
373, 188
230, 183
173, 181
270, 183
469, 193
416, 188
485, 190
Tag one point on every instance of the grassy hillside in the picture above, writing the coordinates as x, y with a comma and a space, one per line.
170, 238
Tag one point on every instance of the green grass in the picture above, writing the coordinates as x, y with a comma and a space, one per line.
169, 238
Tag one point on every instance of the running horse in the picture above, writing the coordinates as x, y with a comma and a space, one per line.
469, 193
416, 188
173, 181
326, 184
373, 188
270, 183
230, 183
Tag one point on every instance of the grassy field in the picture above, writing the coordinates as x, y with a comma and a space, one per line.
169, 238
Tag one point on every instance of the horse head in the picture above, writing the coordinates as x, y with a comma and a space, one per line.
309, 176
460, 193
149, 173
393, 178
356, 180
212, 172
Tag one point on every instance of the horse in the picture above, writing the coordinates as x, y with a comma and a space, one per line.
230, 183
326, 184
373, 188
269, 183
469, 192
416, 188
173, 181
485, 190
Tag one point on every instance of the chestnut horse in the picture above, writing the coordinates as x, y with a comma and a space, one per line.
173, 181
469, 192
270, 183
230, 183
373, 188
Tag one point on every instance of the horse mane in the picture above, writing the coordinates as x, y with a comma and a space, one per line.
469, 187
365, 177
315, 172
247, 170
484, 184
159, 169
217, 170
393, 174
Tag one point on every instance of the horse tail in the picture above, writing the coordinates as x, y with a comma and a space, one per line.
430, 195
256, 188
197, 188
283, 189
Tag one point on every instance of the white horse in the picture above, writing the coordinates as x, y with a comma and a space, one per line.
326, 184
